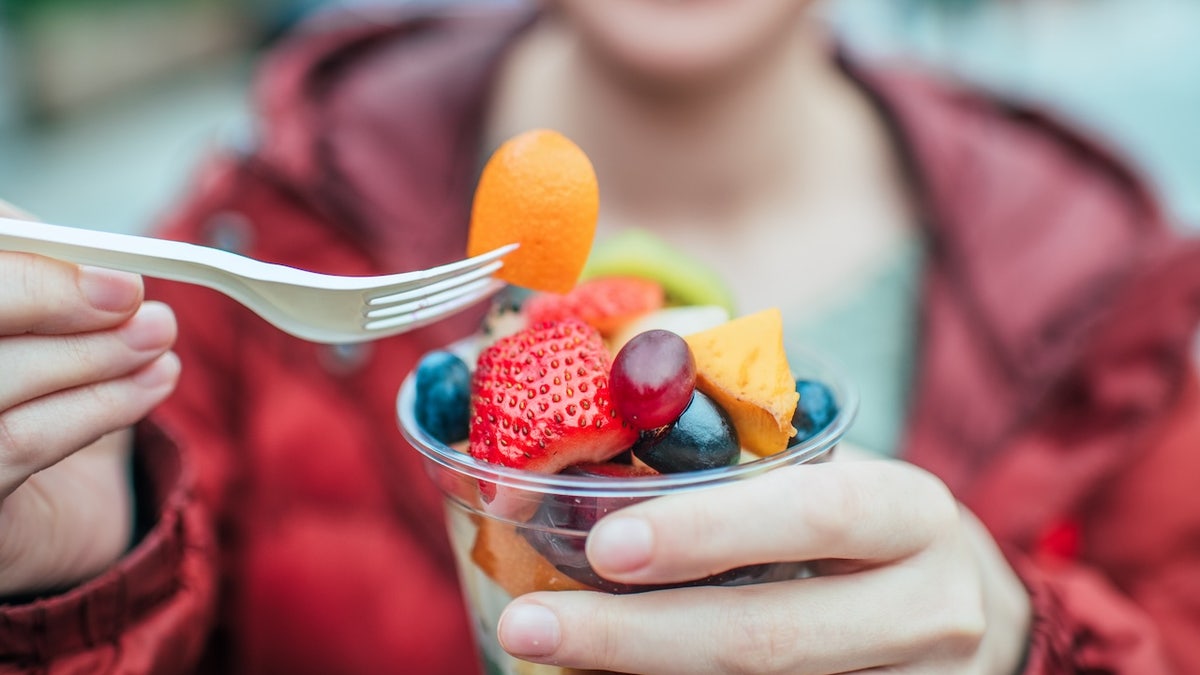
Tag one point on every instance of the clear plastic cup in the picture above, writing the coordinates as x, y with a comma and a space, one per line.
517, 531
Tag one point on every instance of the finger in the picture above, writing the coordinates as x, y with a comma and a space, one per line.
871, 511
40, 433
820, 625
36, 365
47, 296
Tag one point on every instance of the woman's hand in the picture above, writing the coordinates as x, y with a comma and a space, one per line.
81, 359
907, 582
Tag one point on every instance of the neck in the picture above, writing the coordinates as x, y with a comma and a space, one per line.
707, 147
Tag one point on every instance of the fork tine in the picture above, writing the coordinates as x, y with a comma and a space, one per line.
414, 281
382, 312
418, 278
430, 313
434, 273
389, 296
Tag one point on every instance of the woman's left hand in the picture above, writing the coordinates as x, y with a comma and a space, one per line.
907, 581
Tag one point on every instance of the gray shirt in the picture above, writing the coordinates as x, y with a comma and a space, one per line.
870, 335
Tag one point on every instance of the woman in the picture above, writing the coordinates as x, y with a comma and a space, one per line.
1042, 365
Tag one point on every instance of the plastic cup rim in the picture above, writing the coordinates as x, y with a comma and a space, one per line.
462, 463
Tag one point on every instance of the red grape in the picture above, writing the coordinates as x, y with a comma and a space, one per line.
652, 379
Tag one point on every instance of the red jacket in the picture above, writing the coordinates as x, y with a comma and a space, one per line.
290, 529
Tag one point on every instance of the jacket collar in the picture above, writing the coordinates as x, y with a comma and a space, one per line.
1032, 231
1034, 225
381, 124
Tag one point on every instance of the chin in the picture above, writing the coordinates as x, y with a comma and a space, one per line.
680, 42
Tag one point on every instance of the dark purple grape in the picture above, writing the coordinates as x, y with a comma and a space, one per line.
566, 551
621, 466
814, 411
702, 438
652, 379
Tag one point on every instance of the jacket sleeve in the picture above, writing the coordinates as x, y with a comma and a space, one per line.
146, 613
1129, 602
154, 610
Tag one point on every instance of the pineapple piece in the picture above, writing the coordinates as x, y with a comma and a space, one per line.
742, 366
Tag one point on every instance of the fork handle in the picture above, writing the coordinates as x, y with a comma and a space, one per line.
159, 258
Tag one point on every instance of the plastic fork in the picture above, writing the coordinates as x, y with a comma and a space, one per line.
316, 307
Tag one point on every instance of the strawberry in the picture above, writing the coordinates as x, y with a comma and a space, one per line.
607, 303
540, 400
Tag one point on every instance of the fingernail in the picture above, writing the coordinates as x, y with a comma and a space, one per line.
527, 629
153, 327
620, 544
162, 371
109, 290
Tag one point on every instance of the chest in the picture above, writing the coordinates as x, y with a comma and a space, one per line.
330, 499
803, 253
319, 432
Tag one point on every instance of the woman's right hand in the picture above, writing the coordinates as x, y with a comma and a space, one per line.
82, 358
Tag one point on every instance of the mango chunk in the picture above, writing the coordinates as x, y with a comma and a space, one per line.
504, 555
742, 365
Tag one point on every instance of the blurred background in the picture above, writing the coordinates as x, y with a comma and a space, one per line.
107, 105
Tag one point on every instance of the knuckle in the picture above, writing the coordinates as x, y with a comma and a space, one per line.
959, 622
605, 629
939, 508
30, 291
696, 522
78, 350
33, 274
831, 504
608, 647
17, 383
962, 632
766, 643
106, 400
14, 453
27, 271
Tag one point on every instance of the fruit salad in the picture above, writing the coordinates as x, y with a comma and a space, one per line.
581, 398
555, 416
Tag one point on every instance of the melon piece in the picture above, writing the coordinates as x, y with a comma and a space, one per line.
637, 253
678, 320
742, 365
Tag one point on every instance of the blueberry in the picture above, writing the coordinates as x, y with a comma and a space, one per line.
702, 438
443, 401
815, 410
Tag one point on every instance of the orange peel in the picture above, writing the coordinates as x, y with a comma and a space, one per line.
537, 190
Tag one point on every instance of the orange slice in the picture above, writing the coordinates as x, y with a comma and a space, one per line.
537, 190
